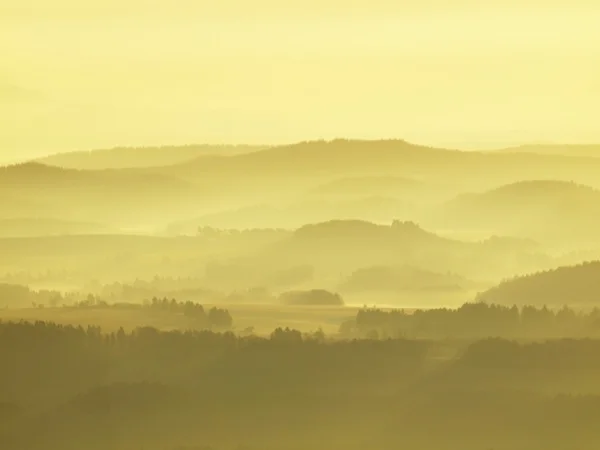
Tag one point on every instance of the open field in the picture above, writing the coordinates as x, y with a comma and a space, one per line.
263, 318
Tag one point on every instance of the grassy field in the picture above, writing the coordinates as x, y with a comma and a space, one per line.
264, 318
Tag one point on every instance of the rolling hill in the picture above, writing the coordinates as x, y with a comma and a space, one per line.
36, 175
344, 246
361, 162
363, 186
295, 214
155, 196
591, 151
113, 197
406, 189
547, 210
402, 279
140, 157
577, 285
327, 160
49, 227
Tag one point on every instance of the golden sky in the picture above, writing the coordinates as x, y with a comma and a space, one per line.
78, 75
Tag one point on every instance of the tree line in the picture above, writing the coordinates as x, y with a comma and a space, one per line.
474, 320
71, 387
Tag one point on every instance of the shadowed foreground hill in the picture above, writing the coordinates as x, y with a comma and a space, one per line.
140, 157
72, 389
575, 285
545, 210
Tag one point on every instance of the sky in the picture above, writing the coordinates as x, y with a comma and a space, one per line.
101, 73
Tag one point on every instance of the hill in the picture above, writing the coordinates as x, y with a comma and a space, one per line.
344, 246
402, 279
326, 160
139, 157
416, 193
114, 197
46, 227
548, 210
591, 151
367, 186
577, 285
36, 175
155, 196
295, 214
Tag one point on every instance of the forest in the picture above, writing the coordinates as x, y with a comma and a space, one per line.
81, 387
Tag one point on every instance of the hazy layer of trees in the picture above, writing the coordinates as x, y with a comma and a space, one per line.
209, 318
474, 321
577, 285
81, 388
314, 297
16, 295
140, 292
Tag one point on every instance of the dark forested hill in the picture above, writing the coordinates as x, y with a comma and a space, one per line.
574, 285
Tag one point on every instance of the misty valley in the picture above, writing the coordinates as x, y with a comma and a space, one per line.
324, 295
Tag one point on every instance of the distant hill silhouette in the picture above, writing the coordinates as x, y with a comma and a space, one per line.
568, 285
360, 161
592, 150
536, 193
295, 214
37, 175
140, 157
355, 158
401, 279
106, 196
45, 227
359, 229
314, 297
368, 185
181, 190
506, 242
344, 246
539, 209
89, 245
